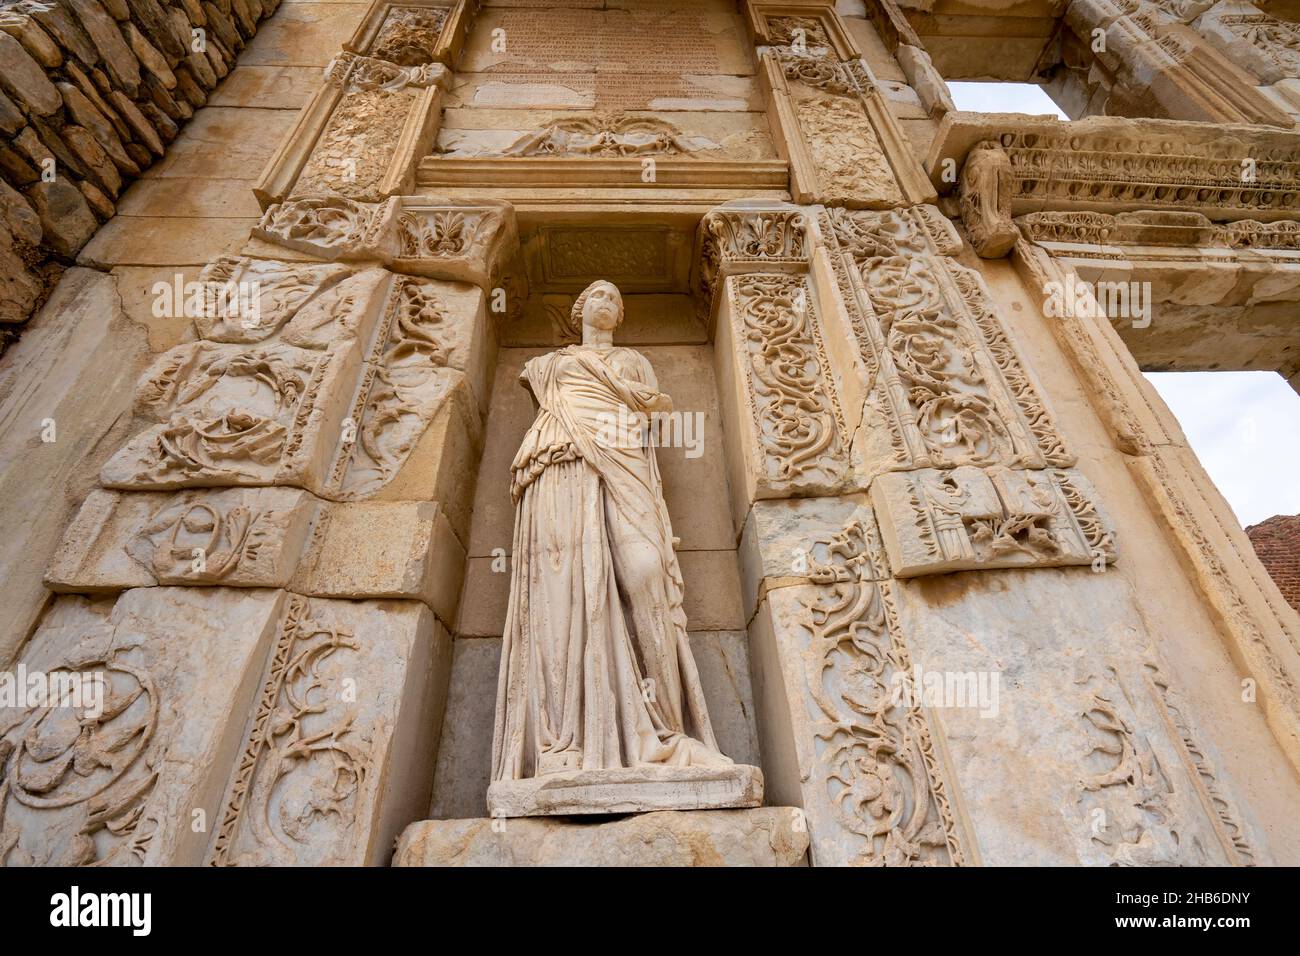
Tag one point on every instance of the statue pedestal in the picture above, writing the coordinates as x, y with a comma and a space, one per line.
766, 836
627, 790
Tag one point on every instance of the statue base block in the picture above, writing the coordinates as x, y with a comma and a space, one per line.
766, 836
627, 790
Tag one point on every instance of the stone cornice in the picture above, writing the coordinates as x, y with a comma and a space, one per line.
1112, 164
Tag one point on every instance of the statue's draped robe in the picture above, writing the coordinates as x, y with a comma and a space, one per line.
596, 668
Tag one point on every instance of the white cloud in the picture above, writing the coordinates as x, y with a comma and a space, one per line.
1245, 429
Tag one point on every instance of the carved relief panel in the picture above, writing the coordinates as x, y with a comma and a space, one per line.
871, 776
827, 113
347, 687
942, 384
119, 777
789, 436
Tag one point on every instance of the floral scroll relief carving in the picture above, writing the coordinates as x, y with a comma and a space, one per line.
299, 778
252, 299
1149, 794
227, 416
796, 413
233, 537
876, 757
940, 368
330, 226
96, 765
1136, 821
357, 147
608, 134
829, 100
404, 382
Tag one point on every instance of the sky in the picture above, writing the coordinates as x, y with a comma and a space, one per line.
1243, 426
1245, 429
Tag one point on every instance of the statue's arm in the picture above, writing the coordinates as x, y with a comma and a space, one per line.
662, 402
525, 379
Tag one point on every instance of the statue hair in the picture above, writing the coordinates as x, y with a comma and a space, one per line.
575, 314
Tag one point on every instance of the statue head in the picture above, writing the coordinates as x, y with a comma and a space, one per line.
599, 307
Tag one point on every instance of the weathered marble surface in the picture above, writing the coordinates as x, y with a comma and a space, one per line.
769, 836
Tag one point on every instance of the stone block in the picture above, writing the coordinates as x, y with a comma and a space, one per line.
238, 537
153, 756
627, 790
973, 518
339, 750
71, 371
385, 549
767, 836
227, 415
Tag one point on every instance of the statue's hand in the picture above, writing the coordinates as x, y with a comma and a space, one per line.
662, 402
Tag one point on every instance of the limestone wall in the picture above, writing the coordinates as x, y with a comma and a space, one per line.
91, 95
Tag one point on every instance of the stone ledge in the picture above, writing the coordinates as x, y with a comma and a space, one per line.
627, 790
764, 836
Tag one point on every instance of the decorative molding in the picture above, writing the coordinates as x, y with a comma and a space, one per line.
407, 377
1110, 164
470, 242
545, 172
1155, 228
331, 227
234, 537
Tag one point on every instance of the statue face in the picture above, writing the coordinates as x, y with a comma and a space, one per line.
604, 307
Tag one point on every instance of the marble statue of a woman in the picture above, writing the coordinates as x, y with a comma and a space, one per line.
599, 706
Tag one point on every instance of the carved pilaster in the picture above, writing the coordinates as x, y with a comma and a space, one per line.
863, 761
773, 369
828, 116
362, 133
